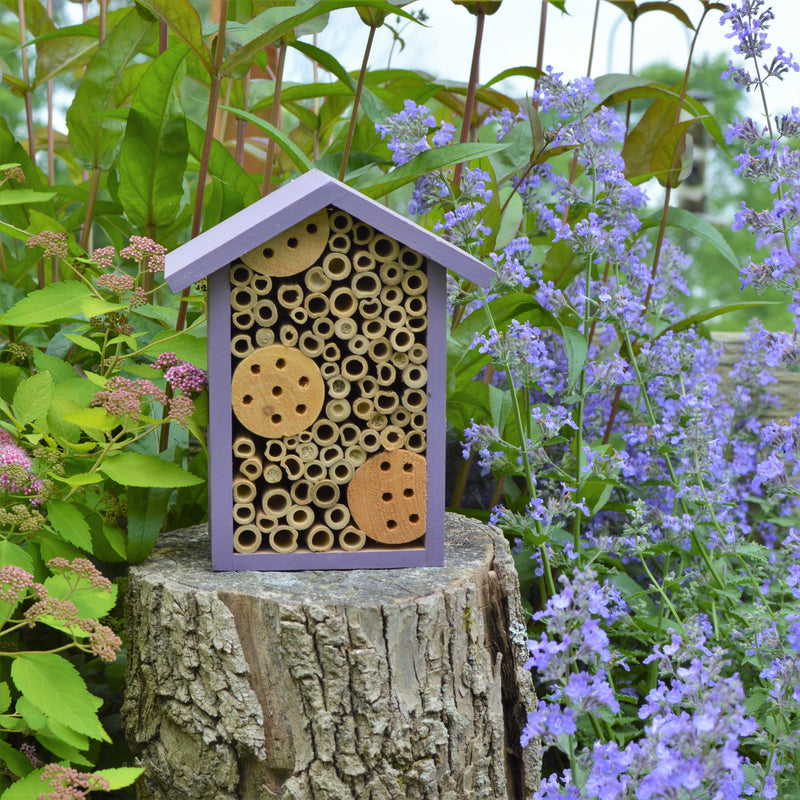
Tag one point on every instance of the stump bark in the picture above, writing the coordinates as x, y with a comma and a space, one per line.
339, 685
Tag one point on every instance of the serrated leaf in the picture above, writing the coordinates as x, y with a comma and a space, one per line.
147, 509
82, 479
15, 760
16, 197
13, 555
33, 397
185, 22
139, 469
60, 370
120, 777
97, 419
83, 341
5, 697
67, 520
58, 301
56, 688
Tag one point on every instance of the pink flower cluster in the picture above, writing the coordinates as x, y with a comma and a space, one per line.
116, 282
16, 469
149, 253
83, 568
53, 242
104, 257
66, 783
123, 397
183, 377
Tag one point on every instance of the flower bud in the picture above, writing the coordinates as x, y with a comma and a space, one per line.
376, 17
479, 6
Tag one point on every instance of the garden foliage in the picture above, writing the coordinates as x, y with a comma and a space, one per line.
654, 517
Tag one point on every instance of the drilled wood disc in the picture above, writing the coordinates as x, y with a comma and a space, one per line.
277, 391
387, 496
293, 250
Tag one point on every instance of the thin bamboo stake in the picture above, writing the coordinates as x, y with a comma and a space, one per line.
266, 186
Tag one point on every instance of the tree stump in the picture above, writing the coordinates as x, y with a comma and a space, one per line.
338, 685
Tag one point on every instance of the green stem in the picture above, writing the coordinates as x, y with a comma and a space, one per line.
91, 204
266, 186
469, 105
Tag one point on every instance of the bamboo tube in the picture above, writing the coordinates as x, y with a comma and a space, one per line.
241, 345
363, 261
244, 491
252, 468
417, 324
337, 517
299, 517
393, 438
415, 376
395, 316
244, 512
362, 233
246, 539
370, 441
273, 473
365, 284
340, 221
342, 471
325, 494
339, 243
401, 340
374, 328
330, 454
370, 307
320, 539
368, 386
386, 375
292, 466
316, 305
242, 320
416, 306
307, 451
384, 248
400, 417
337, 266
265, 313
304, 437
262, 284
415, 282
291, 442
329, 370
345, 328
338, 387
354, 367
343, 302
244, 447
325, 432
275, 502
316, 280
419, 421
416, 441
363, 408
241, 274
391, 273
392, 296
414, 400
265, 337
386, 402
417, 353
399, 360
283, 539
337, 410
355, 455
351, 539
358, 345
243, 298
314, 471
380, 350
301, 492
275, 450
323, 328
410, 259
299, 315
348, 433
290, 295
378, 421
265, 523
331, 352
288, 335
310, 344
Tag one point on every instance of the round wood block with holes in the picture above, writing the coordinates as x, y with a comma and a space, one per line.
387, 497
277, 391
293, 250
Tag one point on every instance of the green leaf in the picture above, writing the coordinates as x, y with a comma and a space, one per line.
147, 509
33, 397
92, 602
120, 777
82, 479
64, 50
16, 197
514, 72
185, 22
5, 697
28, 788
57, 301
138, 469
56, 688
71, 738
717, 311
430, 160
577, 349
60, 370
67, 520
94, 138
669, 8
16, 761
13, 555
83, 341
298, 157
153, 155
500, 404
96, 419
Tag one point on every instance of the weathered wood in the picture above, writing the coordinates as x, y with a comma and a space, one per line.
363, 684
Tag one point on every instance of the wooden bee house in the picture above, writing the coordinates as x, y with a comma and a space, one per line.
326, 354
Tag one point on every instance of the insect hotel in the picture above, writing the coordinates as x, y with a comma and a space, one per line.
326, 355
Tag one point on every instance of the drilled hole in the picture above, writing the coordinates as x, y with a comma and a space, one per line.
277, 391
280, 363
311, 228
301, 409
304, 381
391, 524
255, 368
276, 418
268, 252
247, 399
413, 518
408, 492
407, 467
292, 242
385, 466
386, 497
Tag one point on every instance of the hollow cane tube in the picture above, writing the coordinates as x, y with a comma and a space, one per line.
378, 421
401, 340
400, 417
283, 539
384, 248
386, 374
330, 454
352, 539
265, 523
338, 409
246, 539
244, 512
348, 433
244, 491
358, 345
356, 455
345, 328
370, 307
415, 376
265, 313
363, 261
414, 400
323, 328
391, 273
320, 538
265, 337
374, 328
337, 517
339, 243
362, 233
417, 324
301, 492
416, 441
275, 502
395, 316
329, 370
314, 471
241, 275
337, 266
418, 353
419, 421
338, 387
290, 295
307, 451
242, 320
393, 438
273, 473
310, 344
343, 302
340, 221
299, 517
292, 466
386, 402
399, 360
370, 441
416, 306
331, 352
241, 345
363, 408
244, 447
325, 432
325, 494
368, 386
252, 468
275, 450
262, 284
380, 350
316, 280
288, 335
342, 471
354, 367
365, 285
392, 296
243, 298
316, 305
299, 315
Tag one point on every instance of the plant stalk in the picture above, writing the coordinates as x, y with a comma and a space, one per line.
266, 186
469, 105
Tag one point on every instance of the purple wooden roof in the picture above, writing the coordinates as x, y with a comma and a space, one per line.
289, 205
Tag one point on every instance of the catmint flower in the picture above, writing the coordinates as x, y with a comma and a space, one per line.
480, 439
463, 226
505, 121
408, 131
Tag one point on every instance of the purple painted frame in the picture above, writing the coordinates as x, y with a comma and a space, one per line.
209, 255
